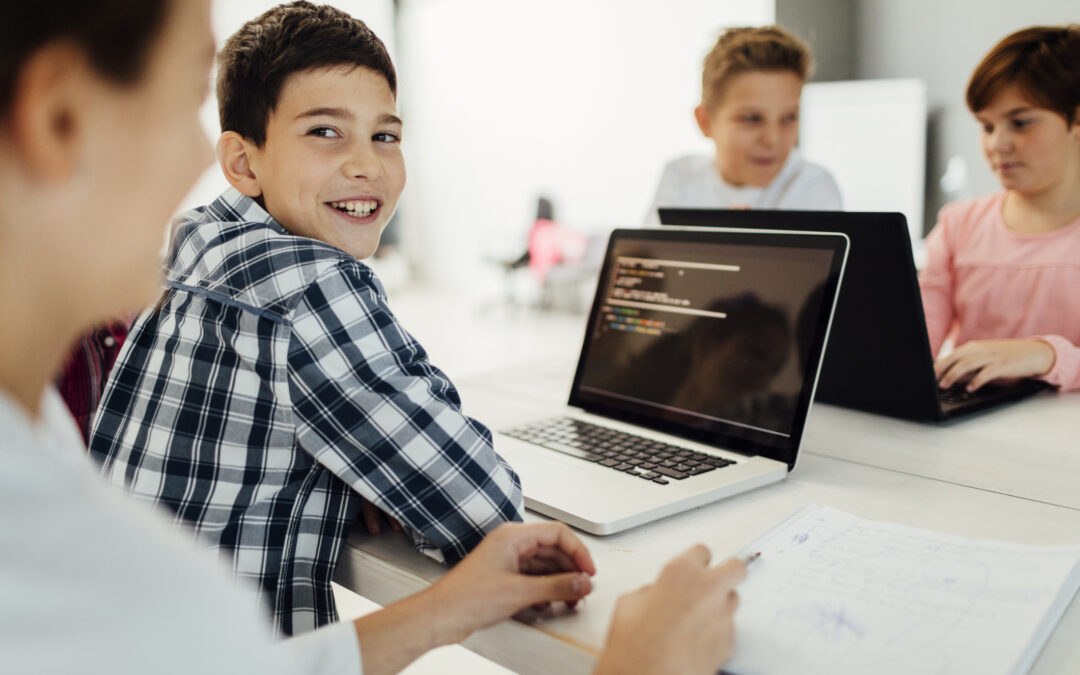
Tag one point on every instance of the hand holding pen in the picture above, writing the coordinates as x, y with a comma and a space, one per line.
682, 623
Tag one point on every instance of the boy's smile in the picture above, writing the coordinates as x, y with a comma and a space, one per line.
332, 167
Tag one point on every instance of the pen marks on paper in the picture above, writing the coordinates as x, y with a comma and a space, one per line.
865, 599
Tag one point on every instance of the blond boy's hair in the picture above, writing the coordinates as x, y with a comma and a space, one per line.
744, 50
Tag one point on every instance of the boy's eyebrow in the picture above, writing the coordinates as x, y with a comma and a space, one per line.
340, 113
343, 113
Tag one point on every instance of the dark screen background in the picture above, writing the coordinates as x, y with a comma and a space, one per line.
717, 331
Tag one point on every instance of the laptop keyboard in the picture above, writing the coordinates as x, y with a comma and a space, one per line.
956, 394
635, 455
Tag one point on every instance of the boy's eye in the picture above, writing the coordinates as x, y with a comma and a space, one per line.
1020, 123
987, 128
386, 137
750, 119
324, 132
790, 119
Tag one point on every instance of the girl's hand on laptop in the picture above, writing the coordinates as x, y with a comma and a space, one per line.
683, 623
983, 361
516, 567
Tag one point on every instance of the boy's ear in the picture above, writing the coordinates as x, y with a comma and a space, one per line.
703, 120
234, 155
45, 122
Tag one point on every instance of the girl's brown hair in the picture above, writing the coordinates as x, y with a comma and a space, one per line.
1042, 61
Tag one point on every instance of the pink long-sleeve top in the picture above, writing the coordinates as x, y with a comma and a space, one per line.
984, 281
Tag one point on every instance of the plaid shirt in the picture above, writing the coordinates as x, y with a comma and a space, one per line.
269, 390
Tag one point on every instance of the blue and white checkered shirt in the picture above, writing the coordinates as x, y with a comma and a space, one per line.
269, 390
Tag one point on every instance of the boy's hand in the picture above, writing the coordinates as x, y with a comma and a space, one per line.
374, 518
684, 623
517, 566
983, 361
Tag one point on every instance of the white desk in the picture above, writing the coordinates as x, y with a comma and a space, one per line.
1029, 449
386, 568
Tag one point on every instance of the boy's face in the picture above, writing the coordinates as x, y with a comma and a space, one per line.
754, 126
332, 168
1029, 149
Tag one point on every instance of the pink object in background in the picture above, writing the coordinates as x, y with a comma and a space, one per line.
551, 244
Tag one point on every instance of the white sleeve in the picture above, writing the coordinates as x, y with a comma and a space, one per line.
95, 581
331, 649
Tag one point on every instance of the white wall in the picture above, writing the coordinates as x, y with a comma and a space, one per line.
228, 16
582, 100
871, 134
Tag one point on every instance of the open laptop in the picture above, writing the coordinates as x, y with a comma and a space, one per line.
879, 357
695, 378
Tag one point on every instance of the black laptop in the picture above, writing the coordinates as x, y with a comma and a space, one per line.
878, 358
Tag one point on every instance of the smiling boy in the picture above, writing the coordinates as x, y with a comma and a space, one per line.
271, 390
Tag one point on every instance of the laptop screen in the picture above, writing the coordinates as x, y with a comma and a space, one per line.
713, 335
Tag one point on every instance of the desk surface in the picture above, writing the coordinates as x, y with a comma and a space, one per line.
992, 477
1029, 449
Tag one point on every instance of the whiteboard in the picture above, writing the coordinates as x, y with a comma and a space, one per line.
871, 135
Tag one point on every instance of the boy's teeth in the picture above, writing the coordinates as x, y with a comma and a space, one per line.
359, 208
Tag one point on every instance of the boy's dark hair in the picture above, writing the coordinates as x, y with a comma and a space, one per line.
295, 37
115, 35
1042, 61
746, 50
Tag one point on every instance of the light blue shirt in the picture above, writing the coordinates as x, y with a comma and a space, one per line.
692, 182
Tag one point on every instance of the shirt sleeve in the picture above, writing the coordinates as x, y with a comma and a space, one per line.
664, 196
937, 285
138, 596
329, 650
372, 409
1066, 370
813, 190
823, 194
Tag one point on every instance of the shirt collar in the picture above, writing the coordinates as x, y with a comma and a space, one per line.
234, 206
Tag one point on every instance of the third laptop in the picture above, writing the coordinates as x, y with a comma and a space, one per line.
879, 357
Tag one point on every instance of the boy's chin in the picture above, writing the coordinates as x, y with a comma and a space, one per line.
362, 251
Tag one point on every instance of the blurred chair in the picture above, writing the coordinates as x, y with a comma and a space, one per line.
556, 269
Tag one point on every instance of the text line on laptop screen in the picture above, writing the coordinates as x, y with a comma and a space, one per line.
716, 332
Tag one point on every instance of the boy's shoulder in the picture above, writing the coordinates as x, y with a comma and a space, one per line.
688, 165
234, 250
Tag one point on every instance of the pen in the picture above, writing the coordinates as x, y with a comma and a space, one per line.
750, 558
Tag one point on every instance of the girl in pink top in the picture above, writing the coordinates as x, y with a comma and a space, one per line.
1003, 272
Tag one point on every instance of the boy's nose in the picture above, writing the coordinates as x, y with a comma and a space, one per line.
363, 163
770, 135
